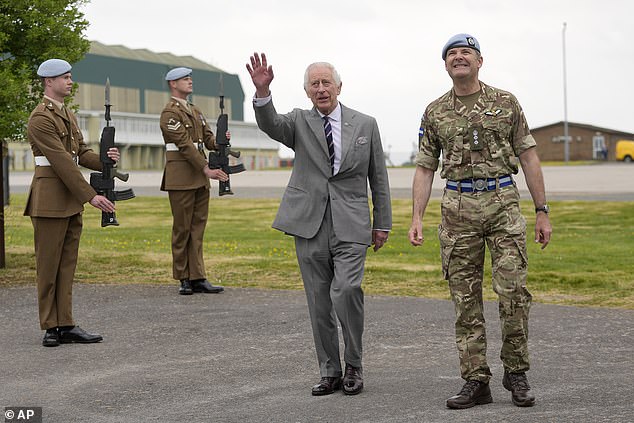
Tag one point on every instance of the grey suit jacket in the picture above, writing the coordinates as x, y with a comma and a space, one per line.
312, 185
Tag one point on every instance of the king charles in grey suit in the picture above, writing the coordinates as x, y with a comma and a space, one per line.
325, 207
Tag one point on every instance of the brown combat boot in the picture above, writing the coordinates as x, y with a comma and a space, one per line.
520, 389
473, 393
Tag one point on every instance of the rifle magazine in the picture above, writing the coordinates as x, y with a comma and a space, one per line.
237, 168
127, 194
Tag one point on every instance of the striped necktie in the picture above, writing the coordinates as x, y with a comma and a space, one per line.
331, 144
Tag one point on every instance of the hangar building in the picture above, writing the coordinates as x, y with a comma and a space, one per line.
138, 93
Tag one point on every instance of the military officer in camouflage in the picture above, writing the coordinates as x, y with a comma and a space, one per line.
186, 179
482, 135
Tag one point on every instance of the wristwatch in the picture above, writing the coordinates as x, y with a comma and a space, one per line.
543, 208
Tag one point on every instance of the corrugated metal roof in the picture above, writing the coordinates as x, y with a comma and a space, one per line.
146, 55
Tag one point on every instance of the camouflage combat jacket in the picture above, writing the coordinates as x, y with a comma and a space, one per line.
484, 142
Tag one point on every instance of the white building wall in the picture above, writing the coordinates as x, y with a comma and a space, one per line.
142, 146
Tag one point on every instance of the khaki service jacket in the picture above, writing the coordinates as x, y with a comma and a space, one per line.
58, 190
189, 131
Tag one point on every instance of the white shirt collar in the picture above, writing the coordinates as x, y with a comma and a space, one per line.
335, 115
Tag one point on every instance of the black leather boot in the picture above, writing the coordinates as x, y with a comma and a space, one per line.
186, 287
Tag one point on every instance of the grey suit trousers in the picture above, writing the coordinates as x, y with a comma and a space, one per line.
332, 271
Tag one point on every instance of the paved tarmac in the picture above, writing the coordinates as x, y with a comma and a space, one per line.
247, 356
605, 182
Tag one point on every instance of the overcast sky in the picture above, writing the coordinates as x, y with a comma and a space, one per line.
388, 51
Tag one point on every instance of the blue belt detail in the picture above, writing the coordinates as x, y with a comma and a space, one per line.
471, 185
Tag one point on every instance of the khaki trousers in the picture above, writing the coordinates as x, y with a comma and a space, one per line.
189, 209
56, 250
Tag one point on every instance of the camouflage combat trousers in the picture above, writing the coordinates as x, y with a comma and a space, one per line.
468, 221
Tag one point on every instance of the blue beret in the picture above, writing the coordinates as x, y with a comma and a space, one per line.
53, 67
177, 73
460, 40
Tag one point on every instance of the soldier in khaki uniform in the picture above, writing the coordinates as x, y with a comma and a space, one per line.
55, 203
186, 179
483, 136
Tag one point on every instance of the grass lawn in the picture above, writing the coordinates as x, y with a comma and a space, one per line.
590, 261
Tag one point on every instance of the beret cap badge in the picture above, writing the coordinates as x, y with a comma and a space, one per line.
460, 40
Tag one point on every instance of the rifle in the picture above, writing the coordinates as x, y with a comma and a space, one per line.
103, 182
219, 159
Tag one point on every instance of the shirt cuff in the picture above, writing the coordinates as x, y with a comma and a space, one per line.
261, 101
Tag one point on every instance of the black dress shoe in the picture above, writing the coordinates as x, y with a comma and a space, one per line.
68, 335
51, 338
327, 385
203, 285
352, 380
186, 287
472, 393
517, 383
